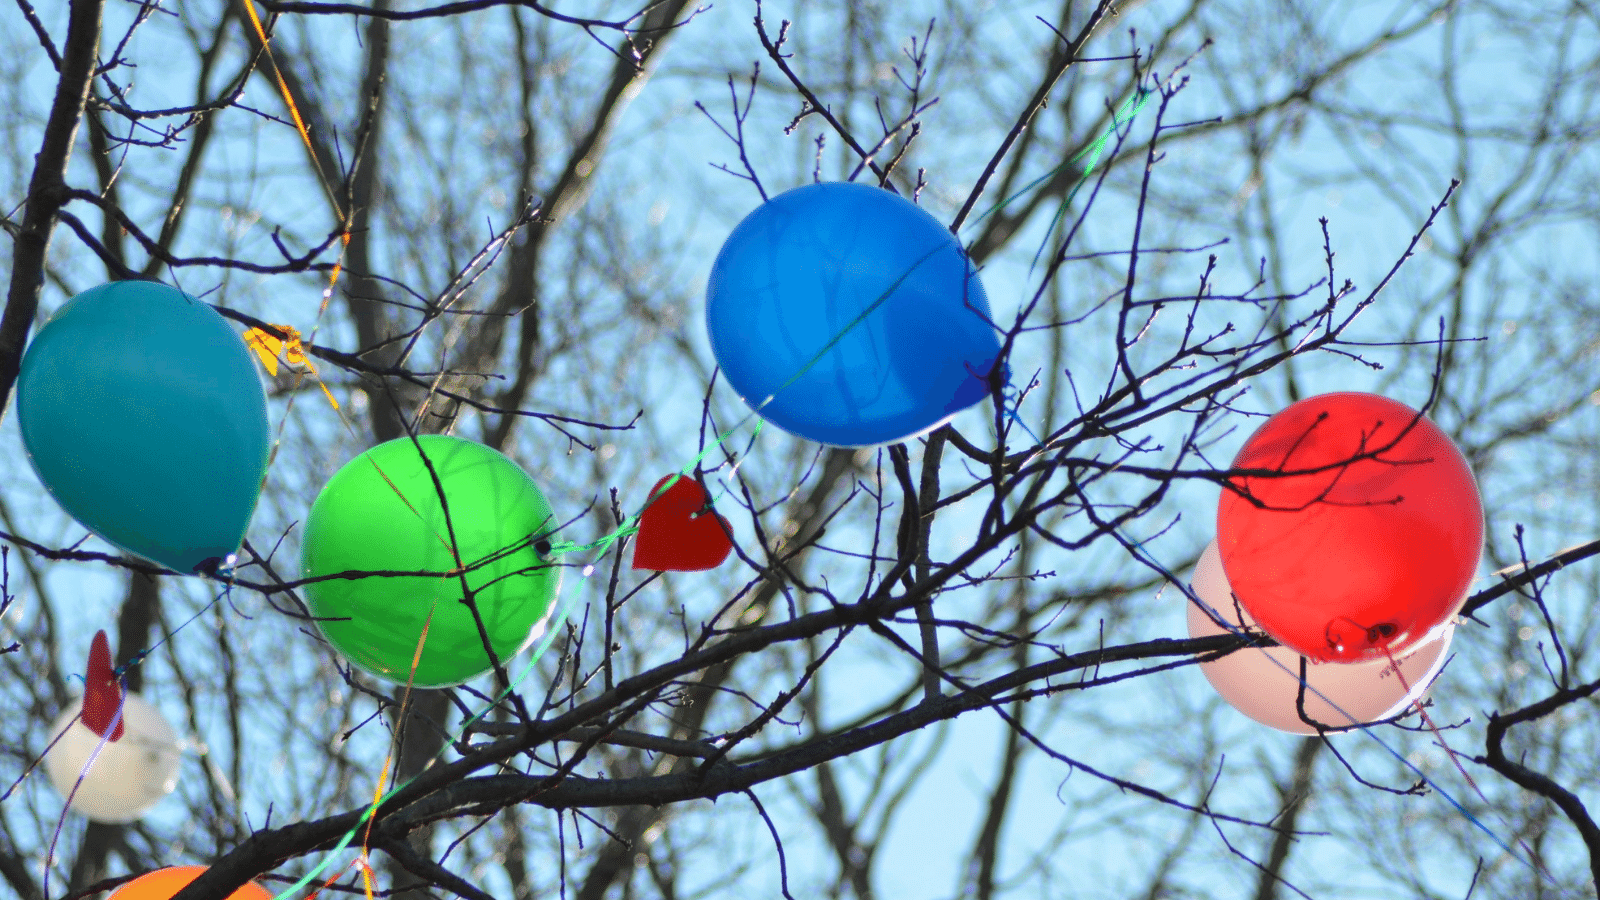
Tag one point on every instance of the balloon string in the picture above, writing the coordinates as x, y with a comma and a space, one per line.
1124, 115
1395, 665
139, 657
327, 860
405, 703
283, 86
1455, 759
66, 807
400, 717
1367, 729
454, 553
1012, 409
317, 892
630, 526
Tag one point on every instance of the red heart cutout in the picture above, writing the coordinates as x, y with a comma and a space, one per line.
102, 694
679, 532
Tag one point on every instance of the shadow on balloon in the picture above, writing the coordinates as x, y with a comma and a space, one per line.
1264, 682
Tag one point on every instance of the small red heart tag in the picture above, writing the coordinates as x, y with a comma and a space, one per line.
679, 532
102, 694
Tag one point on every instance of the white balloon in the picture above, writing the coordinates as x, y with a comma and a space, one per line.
128, 776
1264, 683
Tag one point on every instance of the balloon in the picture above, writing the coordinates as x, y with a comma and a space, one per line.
1264, 682
102, 692
128, 776
144, 417
679, 532
381, 512
164, 884
804, 275
1361, 558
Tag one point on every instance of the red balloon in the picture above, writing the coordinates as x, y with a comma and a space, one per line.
679, 532
102, 692
1368, 554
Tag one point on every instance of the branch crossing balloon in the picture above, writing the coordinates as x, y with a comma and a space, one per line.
382, 513
144, 417
1368, 543
1264, 682
846, 315
164, 884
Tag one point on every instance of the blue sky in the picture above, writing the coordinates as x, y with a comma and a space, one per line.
1123, 728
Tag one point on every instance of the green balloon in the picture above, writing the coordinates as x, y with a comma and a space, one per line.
381, 513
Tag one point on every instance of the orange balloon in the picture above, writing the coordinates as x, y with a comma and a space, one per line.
162, 884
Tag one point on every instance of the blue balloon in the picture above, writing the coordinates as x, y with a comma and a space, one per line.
844, 314
142, 413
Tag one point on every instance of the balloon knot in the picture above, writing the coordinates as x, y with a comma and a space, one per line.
122, 670
1342, 630
216, 566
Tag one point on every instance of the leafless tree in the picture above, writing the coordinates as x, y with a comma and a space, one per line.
956, 661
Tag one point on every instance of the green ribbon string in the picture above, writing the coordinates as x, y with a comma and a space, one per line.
1124, 115
630, 526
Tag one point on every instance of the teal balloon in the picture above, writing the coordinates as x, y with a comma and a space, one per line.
142, 413
382, 513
